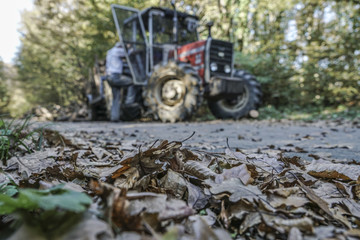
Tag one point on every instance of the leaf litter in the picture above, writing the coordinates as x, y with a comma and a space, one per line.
162, 190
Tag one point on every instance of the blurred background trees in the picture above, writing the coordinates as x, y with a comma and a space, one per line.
4, 94
304, 52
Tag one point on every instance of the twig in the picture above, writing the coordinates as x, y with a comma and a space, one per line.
188, 137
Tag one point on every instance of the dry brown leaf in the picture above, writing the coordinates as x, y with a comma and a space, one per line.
198, 170
203, 231
55, 139
100, 153
284, 192
332, 146
304, 224
263, 162
224, 215
315, 198
308, 213
90, 229
237, 155
352, 206
160, 205
353, 233
121, 213
241, 172
251, 219
174, 183
35, 162
342, 189
295, 234
240, 209
334, 171
238, 190
175, 209
291, 201
356, 189
339, 213
196, 197
127, 179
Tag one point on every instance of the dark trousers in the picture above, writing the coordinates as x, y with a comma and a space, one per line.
118, 86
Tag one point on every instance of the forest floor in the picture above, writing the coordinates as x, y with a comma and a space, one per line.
248, 179
333, 140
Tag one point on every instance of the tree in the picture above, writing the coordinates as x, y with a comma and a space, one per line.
304, 52
4, 95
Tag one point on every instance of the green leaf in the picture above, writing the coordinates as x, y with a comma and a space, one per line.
46, 200
9, 190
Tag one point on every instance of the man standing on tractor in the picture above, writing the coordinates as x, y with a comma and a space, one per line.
114, 69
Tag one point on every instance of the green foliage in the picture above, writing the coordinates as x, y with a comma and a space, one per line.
52, 211
304, 52
56, 198
15, 137
8, 189
310, 113
4, 95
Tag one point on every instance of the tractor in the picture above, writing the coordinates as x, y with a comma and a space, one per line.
173, 70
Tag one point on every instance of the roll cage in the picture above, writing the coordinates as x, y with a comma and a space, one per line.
148, 38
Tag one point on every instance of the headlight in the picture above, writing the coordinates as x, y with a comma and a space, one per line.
213, 67
227, 69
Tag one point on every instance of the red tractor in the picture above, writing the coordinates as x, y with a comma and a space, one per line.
174, 70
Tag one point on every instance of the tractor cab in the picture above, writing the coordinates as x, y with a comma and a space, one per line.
152, 37
163, 39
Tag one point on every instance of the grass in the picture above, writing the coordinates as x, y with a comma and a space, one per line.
310, 113
16, 138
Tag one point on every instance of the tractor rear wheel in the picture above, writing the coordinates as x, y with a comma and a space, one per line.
241, 105
173, 93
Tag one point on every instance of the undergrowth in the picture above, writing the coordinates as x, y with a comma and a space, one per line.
309, 113
16, 138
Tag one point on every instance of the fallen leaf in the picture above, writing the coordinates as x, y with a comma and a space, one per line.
353, 233
329, 146
315, 199
284, 192
35, 162
251, 219
237, 190
198, 170
295, 234
291, 201
241, 172
89, 228
334, 171
127, 179
304, 224
100, 153
203, 231
196, 197
174, 183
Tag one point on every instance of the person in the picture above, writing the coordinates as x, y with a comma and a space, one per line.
114, 69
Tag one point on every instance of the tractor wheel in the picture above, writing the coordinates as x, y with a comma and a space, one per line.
173, 93
241, 105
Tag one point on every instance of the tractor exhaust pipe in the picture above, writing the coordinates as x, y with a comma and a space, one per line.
175, 20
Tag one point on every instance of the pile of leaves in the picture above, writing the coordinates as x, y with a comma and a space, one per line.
164, 190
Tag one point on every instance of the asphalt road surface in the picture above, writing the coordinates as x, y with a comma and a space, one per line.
335, 140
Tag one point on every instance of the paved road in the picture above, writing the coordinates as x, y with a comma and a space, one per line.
338, 141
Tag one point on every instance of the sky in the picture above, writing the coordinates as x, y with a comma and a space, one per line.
10, 11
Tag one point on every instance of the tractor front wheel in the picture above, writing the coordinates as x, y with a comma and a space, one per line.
241, 105
173, 93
